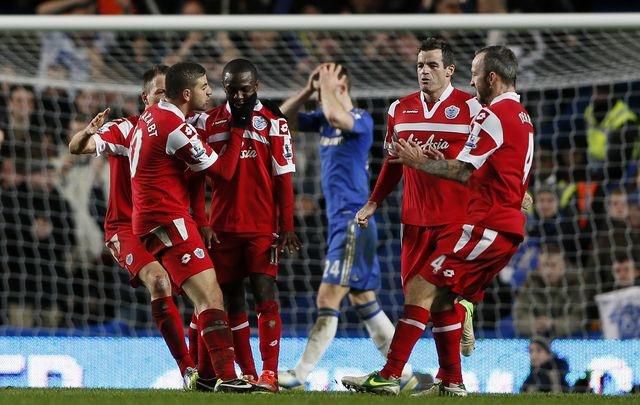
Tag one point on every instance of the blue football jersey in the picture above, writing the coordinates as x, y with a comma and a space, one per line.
344, 160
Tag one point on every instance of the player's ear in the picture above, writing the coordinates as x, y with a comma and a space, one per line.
450, 70
186, 94
145, 98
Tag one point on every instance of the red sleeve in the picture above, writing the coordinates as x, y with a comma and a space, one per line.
390, 174
110, 139
281, 147
485, 138
388, 179
196, 185
227, 162
283, 189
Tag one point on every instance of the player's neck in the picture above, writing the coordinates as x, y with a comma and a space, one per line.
182, 106
500, 89
435, 95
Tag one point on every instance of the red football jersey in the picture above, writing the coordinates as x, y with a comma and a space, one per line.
500, 147
429, 200
112, 140
163, 146
247, 203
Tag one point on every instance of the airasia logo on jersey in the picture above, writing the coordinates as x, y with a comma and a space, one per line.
248, 154
430, 143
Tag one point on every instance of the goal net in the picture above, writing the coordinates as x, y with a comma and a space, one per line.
578, 77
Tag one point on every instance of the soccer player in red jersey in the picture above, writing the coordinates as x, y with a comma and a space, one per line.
249, 211
111, 139
494, 165
437, 117
162, 148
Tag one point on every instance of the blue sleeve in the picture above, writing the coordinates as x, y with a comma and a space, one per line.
309, 122
362, 123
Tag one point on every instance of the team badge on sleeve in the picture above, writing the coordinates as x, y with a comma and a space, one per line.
259, 123
129, 259
451, 112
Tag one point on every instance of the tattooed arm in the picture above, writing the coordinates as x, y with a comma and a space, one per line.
410, 154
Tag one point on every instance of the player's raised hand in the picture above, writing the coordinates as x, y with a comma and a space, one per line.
366, 212
409, 154
313, 82
289, 241
97, 122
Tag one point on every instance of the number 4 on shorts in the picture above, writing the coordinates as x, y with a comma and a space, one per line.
437, 263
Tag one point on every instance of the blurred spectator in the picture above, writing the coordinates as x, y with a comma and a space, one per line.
49, 224
612, 133
548, 372
23, 131
551, 302
625, 272
79, 174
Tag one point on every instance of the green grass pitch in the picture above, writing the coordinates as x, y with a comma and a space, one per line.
16, 396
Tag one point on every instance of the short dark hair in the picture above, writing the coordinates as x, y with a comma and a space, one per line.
152, 73
240, 66
181, 76
552, 248
502, 61
432, 43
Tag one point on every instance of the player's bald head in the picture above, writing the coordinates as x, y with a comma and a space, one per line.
240, 66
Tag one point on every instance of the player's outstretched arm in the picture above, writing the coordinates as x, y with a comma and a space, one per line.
411, 154
292, 105
334, 111
82, 142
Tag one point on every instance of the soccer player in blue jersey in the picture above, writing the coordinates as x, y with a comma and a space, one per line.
351, 265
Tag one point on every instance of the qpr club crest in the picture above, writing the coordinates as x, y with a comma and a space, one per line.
259, 123
451, 112
199, 253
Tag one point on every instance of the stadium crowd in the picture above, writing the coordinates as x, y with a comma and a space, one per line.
583, 234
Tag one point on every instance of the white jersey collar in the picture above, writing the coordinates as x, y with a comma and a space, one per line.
511, 95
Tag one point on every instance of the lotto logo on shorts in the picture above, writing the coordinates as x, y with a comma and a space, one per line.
199, 253
185, 258
448, 273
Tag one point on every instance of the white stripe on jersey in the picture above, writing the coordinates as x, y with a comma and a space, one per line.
222, 136
474, 107
255, 136
428, 126
108, 148
493, 127
176, 140
125, 127
278, 170
392, 108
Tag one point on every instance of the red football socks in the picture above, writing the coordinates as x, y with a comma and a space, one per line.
239, 324
269, 331
408, 330
215, 332
193, 338
167, 318
447, 331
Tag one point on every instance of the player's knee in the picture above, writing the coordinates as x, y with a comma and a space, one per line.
158, 283
361, 297
263, 288
328, 301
